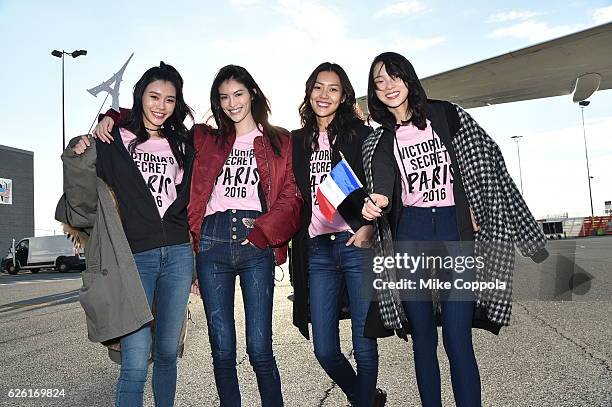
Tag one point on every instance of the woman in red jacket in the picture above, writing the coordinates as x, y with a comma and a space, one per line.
244, 207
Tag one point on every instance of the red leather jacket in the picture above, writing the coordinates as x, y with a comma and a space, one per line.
282, 220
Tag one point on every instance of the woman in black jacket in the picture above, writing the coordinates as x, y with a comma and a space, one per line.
327, 255
442, 182
147, 165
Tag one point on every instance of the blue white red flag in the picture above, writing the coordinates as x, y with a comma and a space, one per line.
336, 187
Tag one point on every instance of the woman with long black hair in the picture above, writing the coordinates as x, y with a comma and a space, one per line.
147, 166
438, 177
327, 256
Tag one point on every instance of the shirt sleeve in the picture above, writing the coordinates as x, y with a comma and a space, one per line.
118, 117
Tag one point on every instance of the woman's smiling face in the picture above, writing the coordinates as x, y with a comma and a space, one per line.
326, 95
158, 103
390, 90
235, 100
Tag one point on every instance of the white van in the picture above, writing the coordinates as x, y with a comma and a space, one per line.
34, 253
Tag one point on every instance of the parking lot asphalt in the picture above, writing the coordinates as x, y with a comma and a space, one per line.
556, 352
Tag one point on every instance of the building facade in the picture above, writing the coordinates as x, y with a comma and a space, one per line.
16, 196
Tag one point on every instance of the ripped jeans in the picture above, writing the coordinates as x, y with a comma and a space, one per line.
220, 260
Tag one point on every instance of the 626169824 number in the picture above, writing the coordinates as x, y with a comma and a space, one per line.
36, 393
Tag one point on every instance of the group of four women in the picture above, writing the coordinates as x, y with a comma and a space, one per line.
252, 188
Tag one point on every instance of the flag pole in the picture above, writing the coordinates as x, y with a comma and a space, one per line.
365, 189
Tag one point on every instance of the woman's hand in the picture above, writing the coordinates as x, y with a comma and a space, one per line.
80, 147
246, 242
103, 130
363, 237
475, 225
372, 208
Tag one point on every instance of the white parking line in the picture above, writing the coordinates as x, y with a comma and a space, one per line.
41, 281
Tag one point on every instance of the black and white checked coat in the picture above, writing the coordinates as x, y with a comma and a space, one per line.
503, 216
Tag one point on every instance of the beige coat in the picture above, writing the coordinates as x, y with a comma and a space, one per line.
112, 294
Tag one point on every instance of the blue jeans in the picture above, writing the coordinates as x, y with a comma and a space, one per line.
428, 225
333, 266
220, 260
166, 274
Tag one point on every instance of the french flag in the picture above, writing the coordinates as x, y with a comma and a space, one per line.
336, 187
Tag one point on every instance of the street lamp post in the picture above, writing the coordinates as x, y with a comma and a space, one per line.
518, 151
60, 54
583, 104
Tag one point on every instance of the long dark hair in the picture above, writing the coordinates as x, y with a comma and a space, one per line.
174, 129
345, 118
260, 106
397, 66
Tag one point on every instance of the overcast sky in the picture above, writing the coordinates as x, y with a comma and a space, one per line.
280, 43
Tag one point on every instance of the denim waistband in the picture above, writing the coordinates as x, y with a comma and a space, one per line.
230, 226
443, 210
333, 237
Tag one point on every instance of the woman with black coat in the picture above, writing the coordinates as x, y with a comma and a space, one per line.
441, 183
327, 258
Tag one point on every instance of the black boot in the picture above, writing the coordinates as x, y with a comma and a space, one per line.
380, 398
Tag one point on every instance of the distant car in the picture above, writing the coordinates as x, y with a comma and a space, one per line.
35, 253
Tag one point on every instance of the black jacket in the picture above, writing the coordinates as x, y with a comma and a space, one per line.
350, 210
143, 226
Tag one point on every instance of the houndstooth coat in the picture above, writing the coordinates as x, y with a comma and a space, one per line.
503, 216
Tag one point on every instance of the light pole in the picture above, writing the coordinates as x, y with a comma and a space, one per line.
60, 54
518, 151
583, 104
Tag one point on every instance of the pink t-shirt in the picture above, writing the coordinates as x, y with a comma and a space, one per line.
428, 165
320, 167
158, 167
236, 186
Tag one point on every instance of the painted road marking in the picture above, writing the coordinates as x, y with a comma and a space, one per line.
41, 281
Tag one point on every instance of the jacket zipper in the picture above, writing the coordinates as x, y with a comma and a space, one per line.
267, 196
269, 174
185, 190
